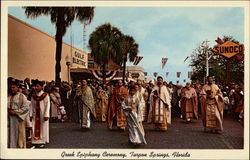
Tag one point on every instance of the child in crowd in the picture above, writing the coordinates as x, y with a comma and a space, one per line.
131, 108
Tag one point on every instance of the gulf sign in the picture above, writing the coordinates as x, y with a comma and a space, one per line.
228, 49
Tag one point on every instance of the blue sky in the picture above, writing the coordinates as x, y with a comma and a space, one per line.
172, 32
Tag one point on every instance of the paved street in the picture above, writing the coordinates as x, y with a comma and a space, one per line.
180, 135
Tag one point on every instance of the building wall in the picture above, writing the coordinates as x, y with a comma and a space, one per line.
31, 53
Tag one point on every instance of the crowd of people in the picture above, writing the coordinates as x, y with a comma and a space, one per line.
33, 104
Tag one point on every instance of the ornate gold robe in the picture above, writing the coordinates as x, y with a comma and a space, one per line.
88, 105
212, 108
101, 105
159, 113
115, 107
189, 103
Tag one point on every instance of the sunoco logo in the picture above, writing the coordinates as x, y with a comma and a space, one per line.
228, 49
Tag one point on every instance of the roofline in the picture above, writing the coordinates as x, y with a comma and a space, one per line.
43, 32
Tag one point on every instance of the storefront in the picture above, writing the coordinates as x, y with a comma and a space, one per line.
31, 53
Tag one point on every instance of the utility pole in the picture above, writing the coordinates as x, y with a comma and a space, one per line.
206, 51
84, 37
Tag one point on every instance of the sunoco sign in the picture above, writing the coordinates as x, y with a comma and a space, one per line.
228, 49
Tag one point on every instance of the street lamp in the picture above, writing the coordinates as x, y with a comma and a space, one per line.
68, 62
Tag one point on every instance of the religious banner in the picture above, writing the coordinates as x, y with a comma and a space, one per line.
155, 74
190, 74
178, 74
167, 74
164, 61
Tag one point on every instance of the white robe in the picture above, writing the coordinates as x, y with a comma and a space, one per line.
136, 130
16, 123
142, 104
44, 112
165, 96
170, 91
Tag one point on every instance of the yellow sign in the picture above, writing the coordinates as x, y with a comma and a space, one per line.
79, 60
228, 49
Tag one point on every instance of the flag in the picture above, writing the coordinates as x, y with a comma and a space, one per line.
219, 41
137, 60
167, 74
155, 74
178, 74
186, 58
240, 57
190, 74
164, 61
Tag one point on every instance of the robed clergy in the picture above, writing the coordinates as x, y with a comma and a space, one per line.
160, 111
101, 105
88, 104
115, 111
142, 94
212, 106
18, 109
189, 103
40, 113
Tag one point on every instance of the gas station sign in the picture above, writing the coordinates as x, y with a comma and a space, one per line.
228, 49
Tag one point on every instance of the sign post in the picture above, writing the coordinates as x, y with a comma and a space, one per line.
228, 50
228, 68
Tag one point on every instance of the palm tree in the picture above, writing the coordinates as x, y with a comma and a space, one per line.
63, 18
129, 50
104, 45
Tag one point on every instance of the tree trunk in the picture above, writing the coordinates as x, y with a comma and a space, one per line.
104, 74
59, 36
124, 70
